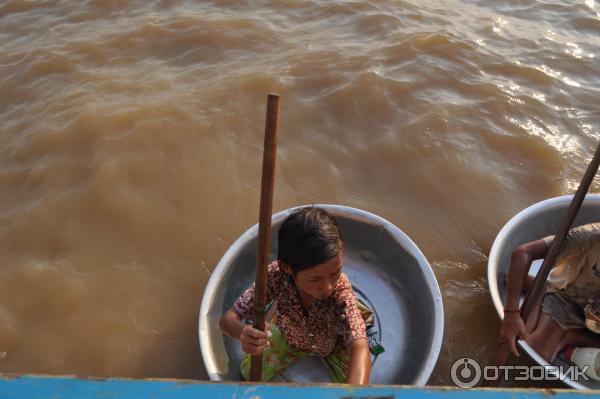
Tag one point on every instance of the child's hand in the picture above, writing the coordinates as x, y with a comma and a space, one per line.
511, 328
254, 341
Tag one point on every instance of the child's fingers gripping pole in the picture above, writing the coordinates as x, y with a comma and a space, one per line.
264, 224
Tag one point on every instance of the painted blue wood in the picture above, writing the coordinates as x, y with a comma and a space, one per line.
32, 387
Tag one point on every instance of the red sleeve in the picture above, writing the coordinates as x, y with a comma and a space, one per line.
353, 323
244, 305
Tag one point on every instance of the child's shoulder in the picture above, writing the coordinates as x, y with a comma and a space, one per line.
344, 282
588, 234
274, 269
343, 290
276, 275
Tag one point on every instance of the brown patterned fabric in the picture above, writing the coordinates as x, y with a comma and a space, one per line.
328, 326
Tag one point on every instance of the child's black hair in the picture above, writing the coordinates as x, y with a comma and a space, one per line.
308, 237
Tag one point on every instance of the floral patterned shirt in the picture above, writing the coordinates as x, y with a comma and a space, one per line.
329, 325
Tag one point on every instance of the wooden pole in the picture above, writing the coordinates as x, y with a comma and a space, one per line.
533, 299
264, 224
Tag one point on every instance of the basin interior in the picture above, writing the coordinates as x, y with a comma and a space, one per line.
532, 224
387, 274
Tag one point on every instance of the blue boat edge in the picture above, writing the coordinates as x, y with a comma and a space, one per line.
30, 386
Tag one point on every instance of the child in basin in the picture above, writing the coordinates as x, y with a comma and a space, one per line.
570, 310
316, 311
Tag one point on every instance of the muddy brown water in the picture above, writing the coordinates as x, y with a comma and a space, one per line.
131, 145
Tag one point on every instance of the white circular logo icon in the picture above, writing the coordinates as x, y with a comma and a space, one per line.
465, 373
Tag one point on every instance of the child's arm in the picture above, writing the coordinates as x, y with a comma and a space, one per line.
520, 263
360, 362
253, 341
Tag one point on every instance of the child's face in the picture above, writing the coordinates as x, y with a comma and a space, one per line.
319, 281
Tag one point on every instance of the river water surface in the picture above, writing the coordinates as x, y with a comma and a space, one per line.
131, 146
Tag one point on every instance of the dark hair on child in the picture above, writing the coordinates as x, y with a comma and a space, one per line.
308, 237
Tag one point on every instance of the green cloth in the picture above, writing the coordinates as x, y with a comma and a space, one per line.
279, 354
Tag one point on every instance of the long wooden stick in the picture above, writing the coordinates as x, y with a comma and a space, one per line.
264, 224
533, 299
